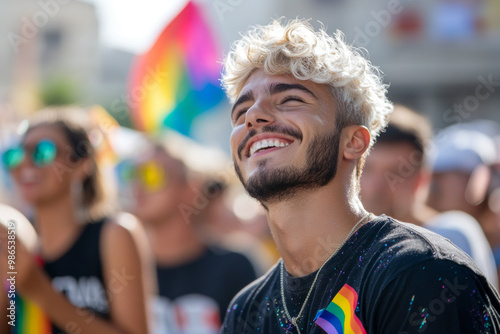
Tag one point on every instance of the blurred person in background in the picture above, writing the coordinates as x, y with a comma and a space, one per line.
490, 219
462, 173
483, 187
196, 281
17, 235
396, 181
92, 277
217, 219
249, 234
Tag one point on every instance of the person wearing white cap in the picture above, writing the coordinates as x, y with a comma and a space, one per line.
463, 156
460, 169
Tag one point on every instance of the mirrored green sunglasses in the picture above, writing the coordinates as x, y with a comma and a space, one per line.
42, 155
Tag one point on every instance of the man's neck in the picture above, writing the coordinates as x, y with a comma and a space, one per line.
309, 228
174, 242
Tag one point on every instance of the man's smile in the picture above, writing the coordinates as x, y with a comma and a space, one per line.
272, 137
265, 142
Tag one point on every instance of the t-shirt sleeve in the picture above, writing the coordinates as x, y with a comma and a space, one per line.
250, 306
243, 271
240, 272
436, 296
229, 321
237, 315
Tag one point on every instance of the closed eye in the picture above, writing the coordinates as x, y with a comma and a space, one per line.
292, 98
239, 113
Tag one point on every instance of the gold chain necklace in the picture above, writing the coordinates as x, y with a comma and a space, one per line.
294, 320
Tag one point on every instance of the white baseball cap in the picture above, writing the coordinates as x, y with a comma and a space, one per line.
460, 148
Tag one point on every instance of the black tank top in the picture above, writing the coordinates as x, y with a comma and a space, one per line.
79, 275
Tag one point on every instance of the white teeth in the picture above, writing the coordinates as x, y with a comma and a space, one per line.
265, 144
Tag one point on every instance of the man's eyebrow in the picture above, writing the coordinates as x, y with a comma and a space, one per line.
277, 88
248, 96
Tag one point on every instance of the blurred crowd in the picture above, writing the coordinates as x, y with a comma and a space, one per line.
171, 211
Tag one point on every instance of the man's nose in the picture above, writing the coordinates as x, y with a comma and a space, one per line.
258, 115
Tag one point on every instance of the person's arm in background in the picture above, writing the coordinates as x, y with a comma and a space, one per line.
127, 304
4, 303
123, 277
150, 282
129, 271
12, 223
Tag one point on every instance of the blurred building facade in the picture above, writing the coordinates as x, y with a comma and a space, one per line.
439, 56
50, 53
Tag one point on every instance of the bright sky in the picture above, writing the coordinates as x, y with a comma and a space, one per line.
134, 25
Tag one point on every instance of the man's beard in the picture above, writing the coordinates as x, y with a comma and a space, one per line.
277, 184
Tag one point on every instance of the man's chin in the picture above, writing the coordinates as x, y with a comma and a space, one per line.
268, 183
277, 184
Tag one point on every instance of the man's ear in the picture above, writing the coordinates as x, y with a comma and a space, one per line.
357, 140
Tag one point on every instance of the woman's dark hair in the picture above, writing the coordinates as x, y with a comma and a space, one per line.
70, 123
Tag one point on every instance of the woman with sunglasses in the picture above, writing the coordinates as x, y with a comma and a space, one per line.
91, 280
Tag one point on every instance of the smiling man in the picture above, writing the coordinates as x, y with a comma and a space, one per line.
306, 109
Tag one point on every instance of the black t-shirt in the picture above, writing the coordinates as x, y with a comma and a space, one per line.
193, 296
389, 277
78, 273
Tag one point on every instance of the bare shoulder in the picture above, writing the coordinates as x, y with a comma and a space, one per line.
118, 238
122, 229
124, 241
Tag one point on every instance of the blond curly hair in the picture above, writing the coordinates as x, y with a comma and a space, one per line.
296, 48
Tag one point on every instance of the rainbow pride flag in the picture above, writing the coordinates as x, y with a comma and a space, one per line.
178, 78
339, 316
30, 319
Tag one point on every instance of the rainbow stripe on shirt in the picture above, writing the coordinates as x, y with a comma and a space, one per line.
339, 316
